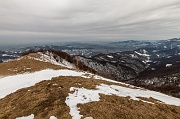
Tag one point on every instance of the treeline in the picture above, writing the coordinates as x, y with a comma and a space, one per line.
63, 55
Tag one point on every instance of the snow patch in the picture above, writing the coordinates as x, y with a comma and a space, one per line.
147, 101
146, 55
144, 51
82, 96
88, 118
110, 56
133, 56
52, 117
27, 117
168, 65
134, 93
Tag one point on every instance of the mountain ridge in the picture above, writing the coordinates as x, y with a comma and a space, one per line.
60, 91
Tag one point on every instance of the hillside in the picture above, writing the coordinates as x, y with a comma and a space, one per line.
117, 66
164, 77
151, 68
30, 63
49, 86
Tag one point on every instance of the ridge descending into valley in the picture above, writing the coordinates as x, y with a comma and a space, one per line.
57, 86
89, 59
146, 67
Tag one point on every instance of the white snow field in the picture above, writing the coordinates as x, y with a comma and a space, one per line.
11, 84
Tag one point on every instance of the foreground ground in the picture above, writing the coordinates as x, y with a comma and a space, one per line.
53, 91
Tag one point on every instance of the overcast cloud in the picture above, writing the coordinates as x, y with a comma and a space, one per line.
58, 20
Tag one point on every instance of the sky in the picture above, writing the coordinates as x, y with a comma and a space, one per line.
36, 21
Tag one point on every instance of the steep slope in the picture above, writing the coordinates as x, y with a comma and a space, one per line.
59, 58
162, 75
69, 93
142, 67
117, 66
152, 68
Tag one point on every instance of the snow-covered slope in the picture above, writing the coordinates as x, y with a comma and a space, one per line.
53, 59
10, 84
80, 95
70, 88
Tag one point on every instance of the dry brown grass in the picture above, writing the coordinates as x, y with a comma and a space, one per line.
25, 64
114, 107
47, 98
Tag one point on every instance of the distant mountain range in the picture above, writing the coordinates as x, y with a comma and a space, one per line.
90, 50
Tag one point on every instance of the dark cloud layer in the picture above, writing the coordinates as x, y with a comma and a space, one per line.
32, 20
